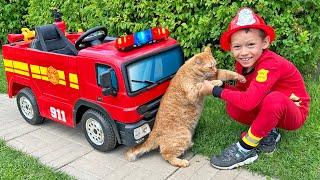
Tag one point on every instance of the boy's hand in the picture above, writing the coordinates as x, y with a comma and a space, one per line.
241, 78
207, 87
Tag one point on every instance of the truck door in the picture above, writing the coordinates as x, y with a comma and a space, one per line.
56, 79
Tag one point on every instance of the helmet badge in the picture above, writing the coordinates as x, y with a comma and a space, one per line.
245, 17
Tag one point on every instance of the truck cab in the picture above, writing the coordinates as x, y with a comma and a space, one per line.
112, 87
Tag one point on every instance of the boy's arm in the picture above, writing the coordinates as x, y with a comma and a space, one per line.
258, 89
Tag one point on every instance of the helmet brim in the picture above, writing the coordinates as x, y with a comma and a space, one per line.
225, 39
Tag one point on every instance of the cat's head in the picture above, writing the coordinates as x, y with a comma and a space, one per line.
204, 64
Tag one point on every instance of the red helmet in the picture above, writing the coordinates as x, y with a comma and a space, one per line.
245, 18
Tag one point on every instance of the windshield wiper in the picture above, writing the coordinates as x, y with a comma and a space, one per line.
151, 83
143, 81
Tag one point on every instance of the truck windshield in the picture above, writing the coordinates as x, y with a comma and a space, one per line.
150, 71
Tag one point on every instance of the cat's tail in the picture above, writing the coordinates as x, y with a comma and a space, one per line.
150, 144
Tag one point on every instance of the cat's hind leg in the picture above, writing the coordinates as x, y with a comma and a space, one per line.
138, 150
172, 148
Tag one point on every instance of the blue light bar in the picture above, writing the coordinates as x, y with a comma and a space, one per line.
142, 37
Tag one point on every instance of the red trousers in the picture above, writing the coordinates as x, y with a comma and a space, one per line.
275, 110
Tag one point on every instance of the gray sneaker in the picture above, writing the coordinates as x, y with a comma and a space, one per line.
268, 144
232, 157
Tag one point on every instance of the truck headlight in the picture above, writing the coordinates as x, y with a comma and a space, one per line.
141, 131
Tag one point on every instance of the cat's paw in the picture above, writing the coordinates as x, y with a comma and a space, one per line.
241, 78
216, 82
130, 156
179, 162
185, 163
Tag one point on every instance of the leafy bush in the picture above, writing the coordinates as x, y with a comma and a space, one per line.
11, 17
195, 23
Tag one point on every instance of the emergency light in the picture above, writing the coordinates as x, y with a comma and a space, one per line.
141, 38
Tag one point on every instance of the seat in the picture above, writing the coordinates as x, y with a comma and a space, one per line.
50, 39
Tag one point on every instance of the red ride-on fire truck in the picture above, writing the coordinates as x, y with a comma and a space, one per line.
111, 86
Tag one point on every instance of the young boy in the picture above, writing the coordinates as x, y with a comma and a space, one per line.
273, 96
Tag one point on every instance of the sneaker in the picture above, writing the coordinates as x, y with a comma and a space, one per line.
233, 157
268, 144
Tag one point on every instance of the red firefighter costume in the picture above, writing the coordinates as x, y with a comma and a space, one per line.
264, 100
274, 94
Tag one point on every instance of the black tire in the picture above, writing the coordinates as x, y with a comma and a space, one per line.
98, 130
28, 106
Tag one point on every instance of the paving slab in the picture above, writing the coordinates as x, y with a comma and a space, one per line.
66, 149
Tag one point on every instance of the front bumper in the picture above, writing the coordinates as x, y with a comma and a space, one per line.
126, 132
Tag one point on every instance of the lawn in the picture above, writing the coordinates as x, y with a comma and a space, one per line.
3, 82
16, 165
297, 156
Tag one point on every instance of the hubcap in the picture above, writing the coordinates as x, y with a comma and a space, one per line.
26, 107
95, 131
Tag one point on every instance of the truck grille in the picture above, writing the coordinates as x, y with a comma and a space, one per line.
150, 109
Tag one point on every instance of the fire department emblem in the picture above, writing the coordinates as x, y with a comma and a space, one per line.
245, 17
262, 75
53, 75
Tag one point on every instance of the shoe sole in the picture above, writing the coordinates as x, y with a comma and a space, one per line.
247, 161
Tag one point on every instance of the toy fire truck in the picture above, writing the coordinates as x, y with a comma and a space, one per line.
111, 86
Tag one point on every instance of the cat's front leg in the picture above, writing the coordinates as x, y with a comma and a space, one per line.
225, 75
193, 92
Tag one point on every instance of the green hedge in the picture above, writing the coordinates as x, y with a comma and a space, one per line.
11, 17
195, 23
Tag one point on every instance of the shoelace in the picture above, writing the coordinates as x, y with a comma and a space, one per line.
231, 151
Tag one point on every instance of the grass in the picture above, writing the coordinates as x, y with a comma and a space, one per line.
3, 82
297, 155
17, 165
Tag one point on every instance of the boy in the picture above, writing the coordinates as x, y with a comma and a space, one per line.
274, 95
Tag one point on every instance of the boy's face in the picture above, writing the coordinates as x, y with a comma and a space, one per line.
248, 46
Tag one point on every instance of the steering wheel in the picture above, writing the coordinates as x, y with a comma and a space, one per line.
91, 37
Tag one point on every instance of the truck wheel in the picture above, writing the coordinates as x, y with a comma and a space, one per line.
98, 130
28, 107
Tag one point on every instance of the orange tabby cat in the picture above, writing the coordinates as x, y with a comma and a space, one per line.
180, 109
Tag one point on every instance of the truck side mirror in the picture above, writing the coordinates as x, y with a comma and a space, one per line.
106, 83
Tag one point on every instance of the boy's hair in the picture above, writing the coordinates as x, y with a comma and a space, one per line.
262, 34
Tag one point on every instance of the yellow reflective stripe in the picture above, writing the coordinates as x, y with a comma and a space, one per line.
20, 65
245, 140
16, 67
21, 72
7, 63
35, 69
61, 75
45, 78
73, 78
253, 136
8, 69
62, 82
36, 76
40, 72
75, 86
43, 70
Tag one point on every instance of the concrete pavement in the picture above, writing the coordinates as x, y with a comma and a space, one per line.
66, 149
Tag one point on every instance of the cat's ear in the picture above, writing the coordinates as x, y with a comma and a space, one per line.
207, 49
